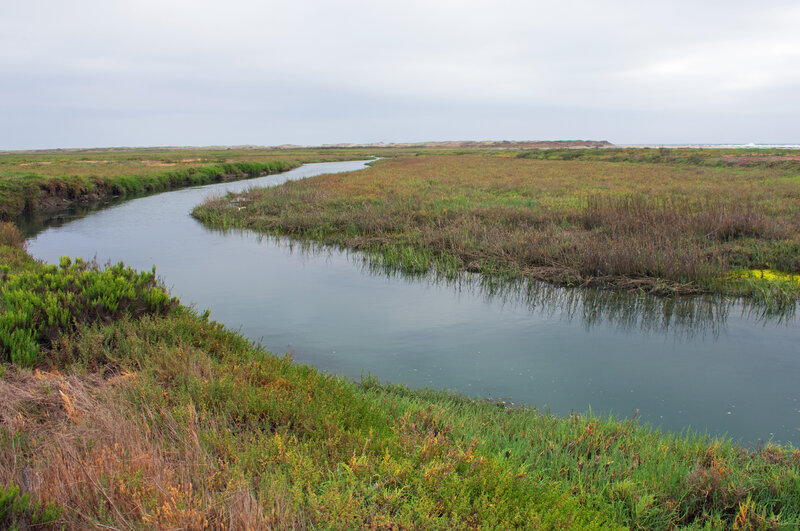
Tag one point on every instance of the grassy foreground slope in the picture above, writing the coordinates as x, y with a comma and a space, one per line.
675, 227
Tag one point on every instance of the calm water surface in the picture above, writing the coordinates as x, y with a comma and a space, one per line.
708, 366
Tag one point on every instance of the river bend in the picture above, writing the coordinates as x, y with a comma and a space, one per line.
720, 371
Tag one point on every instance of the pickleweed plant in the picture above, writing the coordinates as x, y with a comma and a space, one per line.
38, 307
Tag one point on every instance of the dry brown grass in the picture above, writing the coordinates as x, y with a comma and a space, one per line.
10, 235
77, 441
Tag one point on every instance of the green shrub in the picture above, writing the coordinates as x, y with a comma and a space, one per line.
36, 307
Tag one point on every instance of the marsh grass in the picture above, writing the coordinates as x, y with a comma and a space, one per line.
760, 157
659, 228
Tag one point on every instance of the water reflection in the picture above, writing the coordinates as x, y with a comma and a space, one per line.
681, 317
32, 223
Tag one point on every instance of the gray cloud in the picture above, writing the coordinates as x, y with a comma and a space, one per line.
88, 73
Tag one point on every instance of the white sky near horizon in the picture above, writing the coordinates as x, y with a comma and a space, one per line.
145, 73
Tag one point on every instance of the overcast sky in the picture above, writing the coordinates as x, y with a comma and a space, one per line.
164, 72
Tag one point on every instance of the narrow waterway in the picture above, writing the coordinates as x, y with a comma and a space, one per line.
709, 366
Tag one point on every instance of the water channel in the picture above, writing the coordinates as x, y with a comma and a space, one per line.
709, 365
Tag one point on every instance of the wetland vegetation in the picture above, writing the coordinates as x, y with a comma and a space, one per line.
685, 224
123, 408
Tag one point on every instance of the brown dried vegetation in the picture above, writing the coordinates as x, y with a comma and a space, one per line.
78, 441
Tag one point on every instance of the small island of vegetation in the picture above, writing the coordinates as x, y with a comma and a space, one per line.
668, 222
